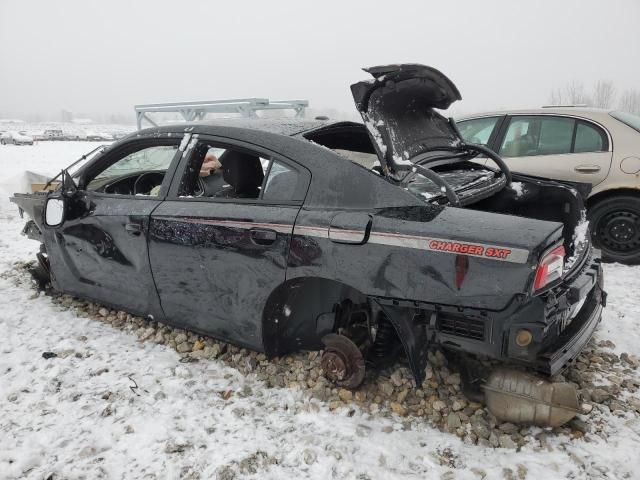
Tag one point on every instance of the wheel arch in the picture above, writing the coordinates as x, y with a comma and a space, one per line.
301, 310
606, 194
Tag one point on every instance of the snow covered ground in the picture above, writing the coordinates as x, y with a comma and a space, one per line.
69, 129
110, 406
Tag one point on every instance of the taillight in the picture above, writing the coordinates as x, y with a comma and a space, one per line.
550, 268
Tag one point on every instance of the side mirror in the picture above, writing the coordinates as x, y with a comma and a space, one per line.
54, 212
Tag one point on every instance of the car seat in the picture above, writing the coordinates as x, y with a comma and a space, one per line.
243, 172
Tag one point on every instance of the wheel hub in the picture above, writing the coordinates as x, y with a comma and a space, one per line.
342, 361
333, 366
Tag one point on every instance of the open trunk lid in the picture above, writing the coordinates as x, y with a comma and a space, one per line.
397, 107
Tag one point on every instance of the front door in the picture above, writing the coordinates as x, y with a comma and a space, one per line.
219, 247
100, 250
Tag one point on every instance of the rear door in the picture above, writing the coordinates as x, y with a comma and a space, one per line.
217, 256
557, 147
100, 250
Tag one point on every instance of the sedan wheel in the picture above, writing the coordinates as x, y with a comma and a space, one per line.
615, 227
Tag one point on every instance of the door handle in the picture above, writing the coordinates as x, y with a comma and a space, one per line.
263, 236
587, 168
134, 229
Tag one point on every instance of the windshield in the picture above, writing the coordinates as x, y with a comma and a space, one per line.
628, 119
147, 159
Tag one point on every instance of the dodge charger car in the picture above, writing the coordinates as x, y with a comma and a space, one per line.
595, 146
364, 240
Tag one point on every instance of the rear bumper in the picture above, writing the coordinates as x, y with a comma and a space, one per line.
570, 342
564, 320
561, 322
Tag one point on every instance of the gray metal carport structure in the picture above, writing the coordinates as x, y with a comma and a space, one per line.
194, 111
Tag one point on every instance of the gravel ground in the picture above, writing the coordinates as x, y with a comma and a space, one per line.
607, 382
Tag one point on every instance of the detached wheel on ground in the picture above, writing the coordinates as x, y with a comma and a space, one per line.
615, 228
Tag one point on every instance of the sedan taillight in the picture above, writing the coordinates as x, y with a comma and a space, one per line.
550, 268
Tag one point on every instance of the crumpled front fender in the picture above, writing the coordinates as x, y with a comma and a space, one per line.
412, 330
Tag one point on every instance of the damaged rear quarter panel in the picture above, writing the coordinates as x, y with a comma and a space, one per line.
385, 266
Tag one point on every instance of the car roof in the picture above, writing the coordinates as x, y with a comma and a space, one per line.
281, 126
337, 182
588, 112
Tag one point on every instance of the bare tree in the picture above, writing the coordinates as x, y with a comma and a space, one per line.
630, 101
555, 98
575, 94
603, 94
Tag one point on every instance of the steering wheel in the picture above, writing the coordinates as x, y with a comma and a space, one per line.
135, 184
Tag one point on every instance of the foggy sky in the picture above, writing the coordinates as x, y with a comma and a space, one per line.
104, 57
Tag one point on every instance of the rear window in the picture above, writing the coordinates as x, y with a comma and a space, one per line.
628, 119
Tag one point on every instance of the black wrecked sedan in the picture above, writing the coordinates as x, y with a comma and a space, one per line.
364, 240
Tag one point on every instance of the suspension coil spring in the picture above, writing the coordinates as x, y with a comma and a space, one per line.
385, 338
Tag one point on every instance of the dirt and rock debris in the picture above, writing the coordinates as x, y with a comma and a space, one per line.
607, 383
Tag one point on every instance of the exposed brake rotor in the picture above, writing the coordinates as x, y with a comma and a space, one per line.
342, 361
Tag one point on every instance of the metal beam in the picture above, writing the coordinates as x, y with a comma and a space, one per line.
193, 111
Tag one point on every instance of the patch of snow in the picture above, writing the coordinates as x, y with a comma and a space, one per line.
287, 310
401, 161
373, 130
519, 188
191, 145
579, 241
184, 142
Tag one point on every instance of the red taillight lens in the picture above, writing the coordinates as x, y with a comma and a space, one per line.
550, 268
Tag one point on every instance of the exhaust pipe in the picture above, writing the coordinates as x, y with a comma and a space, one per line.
521, 398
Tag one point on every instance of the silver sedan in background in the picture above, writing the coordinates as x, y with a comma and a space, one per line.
15, 138
600, 147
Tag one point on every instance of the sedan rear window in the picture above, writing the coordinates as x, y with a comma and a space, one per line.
628, 119
535, 135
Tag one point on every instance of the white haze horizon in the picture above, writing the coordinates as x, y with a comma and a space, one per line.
99, 59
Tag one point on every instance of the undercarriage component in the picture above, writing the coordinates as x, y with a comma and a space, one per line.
342, 361
517, 397
386, 346
41, 272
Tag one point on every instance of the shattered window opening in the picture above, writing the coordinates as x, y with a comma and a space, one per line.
223, 172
